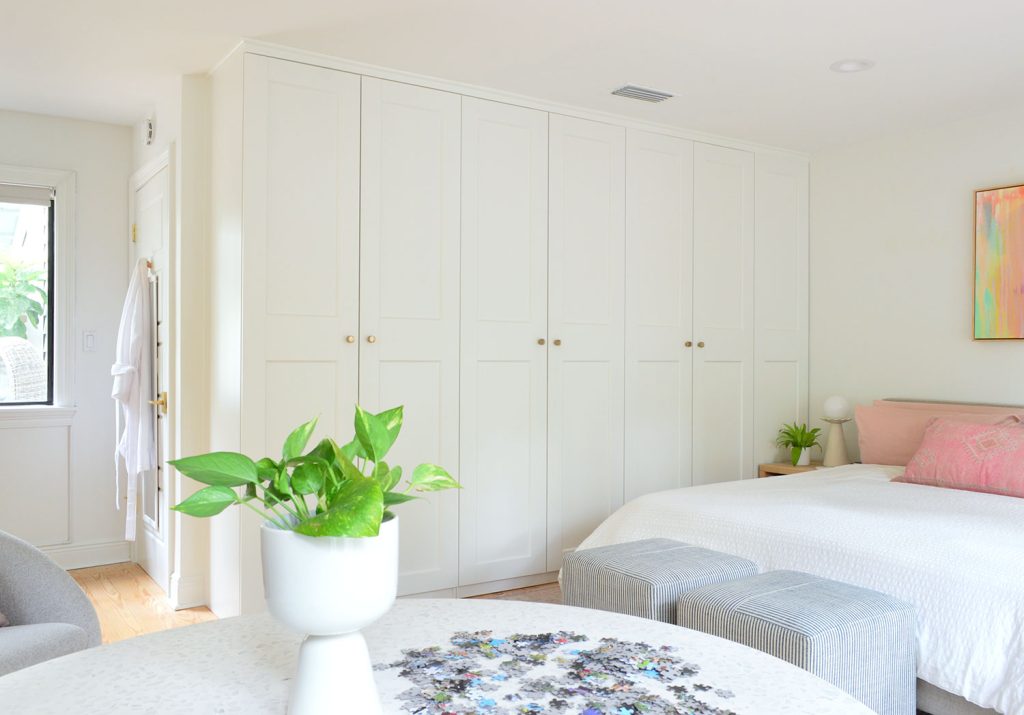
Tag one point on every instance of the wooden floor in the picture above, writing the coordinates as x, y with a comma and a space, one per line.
545, 593
129, 603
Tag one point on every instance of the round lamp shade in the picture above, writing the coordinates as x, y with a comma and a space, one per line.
837, 408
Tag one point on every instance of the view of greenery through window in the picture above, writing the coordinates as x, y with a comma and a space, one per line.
24, 311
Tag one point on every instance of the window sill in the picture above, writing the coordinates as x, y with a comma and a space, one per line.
14, 416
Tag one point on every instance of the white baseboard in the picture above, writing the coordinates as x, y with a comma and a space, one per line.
187, 591
507, 584
80, 556
479, 589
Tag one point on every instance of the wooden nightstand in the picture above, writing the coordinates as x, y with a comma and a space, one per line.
777, 468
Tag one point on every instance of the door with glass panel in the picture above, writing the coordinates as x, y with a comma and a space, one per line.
150, 234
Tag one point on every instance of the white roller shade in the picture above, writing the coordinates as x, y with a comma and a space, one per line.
21, 194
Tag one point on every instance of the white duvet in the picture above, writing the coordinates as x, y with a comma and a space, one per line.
958, 556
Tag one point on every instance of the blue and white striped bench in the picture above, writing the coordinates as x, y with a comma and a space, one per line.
644, 578
861, 641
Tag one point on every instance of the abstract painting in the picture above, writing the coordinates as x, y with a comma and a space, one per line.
999, 264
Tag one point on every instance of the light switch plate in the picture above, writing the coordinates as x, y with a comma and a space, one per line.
89, 341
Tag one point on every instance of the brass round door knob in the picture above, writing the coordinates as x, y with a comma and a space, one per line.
350, 338
558, 341
371, 338
541, 341
700, 344
688, 343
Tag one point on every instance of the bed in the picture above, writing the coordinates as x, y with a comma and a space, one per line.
958, 556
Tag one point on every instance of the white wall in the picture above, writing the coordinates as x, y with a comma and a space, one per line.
892, 266
82, 509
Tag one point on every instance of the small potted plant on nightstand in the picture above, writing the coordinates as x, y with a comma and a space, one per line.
798, 439
330, 544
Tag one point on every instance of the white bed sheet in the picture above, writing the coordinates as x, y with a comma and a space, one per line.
958, 556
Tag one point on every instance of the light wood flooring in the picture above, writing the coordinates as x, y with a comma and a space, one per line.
129, 603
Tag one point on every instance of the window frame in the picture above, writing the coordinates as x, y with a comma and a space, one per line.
61, 290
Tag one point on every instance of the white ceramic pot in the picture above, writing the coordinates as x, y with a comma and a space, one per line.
805, 458
330, 588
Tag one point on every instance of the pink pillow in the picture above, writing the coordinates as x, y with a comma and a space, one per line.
944, 407
891, 435
976, 457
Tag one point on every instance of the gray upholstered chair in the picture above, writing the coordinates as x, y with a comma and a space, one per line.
49, 614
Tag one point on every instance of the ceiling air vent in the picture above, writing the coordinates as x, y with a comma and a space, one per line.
642, 93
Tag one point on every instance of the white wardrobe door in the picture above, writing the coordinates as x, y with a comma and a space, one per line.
659, 312
780, 309
586, 305
409, 304
300, 262
723, 316
503, 522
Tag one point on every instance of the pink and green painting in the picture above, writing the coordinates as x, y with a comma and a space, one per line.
999, 264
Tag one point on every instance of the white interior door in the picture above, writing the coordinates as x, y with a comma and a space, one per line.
151, 234
502, 516
301, 264
659, 312
410, 304
586, 303
723, 316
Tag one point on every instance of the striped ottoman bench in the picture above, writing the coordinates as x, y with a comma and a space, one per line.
644, 578
861, 641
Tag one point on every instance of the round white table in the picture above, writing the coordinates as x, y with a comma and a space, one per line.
438, 657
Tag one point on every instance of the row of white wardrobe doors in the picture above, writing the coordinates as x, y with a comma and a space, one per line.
563, 306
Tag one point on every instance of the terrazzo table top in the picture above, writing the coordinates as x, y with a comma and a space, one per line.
437, 657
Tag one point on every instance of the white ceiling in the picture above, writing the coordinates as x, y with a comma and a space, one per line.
751, 69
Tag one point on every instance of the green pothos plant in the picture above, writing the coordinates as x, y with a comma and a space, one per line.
329, 490
797, 438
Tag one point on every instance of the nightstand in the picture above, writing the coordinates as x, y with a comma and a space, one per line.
777, 468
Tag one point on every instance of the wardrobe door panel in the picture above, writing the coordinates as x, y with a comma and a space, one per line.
780, 311
586, 322
723, 255
659, 310
300, 204
504, 368
409, 304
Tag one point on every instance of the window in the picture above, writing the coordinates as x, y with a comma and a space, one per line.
27, 267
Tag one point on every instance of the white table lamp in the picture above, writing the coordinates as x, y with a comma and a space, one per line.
837, 411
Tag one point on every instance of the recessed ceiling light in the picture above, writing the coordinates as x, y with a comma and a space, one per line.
847, 66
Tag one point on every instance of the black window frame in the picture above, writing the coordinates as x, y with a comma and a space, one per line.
51, 254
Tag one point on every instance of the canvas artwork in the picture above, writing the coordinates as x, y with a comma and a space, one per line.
999, 264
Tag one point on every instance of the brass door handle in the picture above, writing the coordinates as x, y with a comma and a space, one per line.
688, 343
558, 341
161, 402
371, 338
350, 338
700, 344
541, 341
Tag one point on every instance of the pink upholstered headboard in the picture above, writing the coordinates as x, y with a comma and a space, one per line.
890, 431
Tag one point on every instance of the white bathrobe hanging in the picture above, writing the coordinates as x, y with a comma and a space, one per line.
133, 387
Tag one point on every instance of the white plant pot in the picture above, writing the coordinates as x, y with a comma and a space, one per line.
330, 588
805, 458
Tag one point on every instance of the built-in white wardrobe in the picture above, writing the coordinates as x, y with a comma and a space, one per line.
574, 312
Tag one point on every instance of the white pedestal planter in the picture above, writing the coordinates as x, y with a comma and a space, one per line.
330, 588
805, 458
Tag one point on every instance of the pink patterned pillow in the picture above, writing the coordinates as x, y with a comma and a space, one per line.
975, 457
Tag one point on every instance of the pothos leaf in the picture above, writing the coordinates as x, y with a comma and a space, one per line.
432, 478
356, 511
225, 469
207, 501
297, 440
